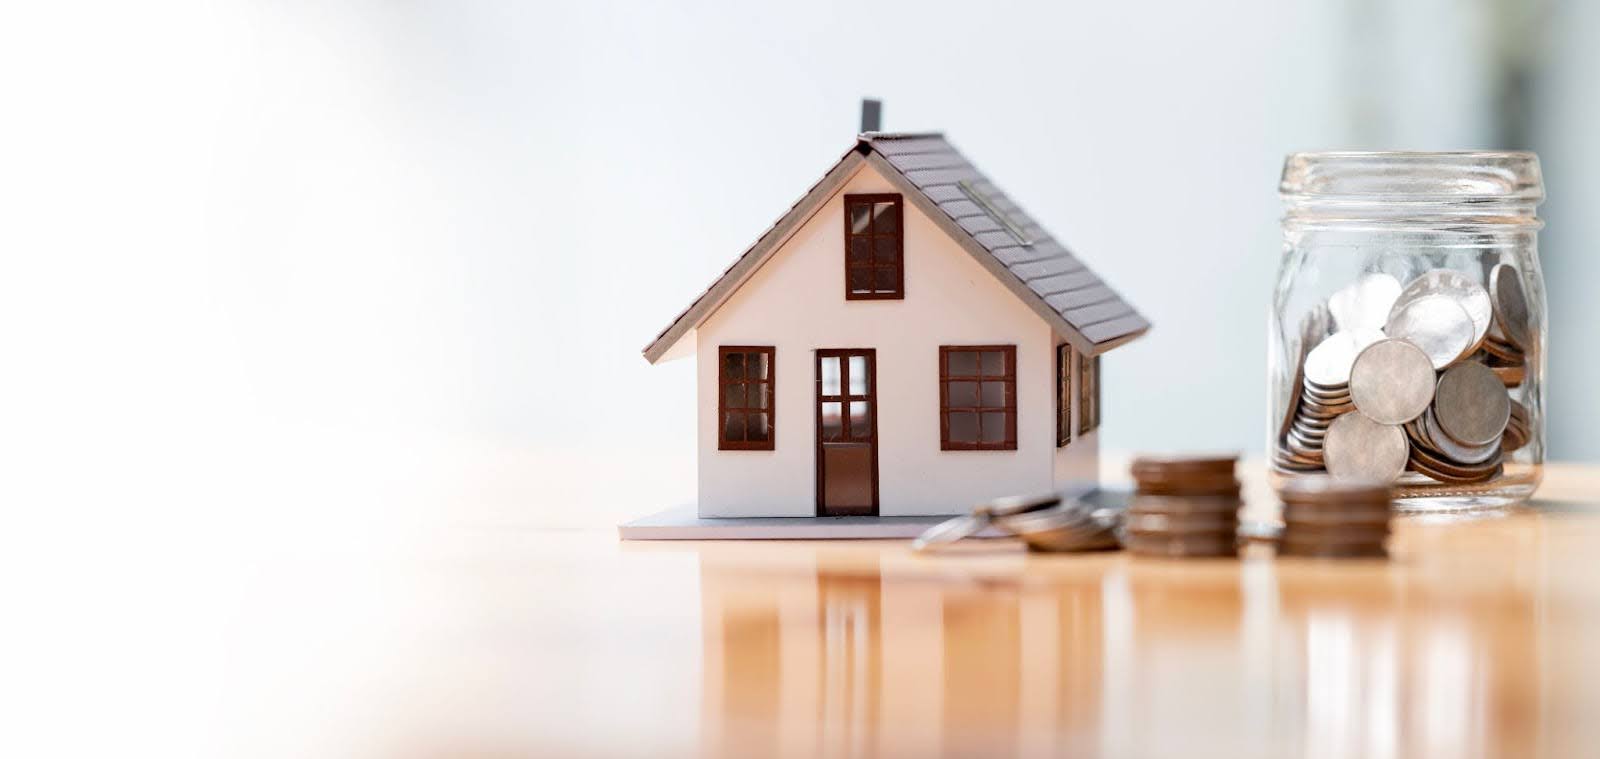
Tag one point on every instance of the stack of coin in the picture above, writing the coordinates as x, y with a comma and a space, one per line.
1334, 518
1429, 390
1183, 506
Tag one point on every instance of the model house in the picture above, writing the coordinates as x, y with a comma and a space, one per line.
904, 341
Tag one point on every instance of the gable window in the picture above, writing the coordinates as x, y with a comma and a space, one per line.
874, 247
1088, 394
745, 381
1064, 361
978, 398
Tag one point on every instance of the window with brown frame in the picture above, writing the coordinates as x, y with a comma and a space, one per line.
746, 376
978, 398
1088, 394
874, 247
1064, 361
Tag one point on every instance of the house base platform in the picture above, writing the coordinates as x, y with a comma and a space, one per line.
684, 523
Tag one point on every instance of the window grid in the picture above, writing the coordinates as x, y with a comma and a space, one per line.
874, 247
746, 381
978, 398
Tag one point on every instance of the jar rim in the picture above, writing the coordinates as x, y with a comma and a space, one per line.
1475, 176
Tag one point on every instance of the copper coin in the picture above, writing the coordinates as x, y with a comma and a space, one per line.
1184, 504
1392, 381
1317, 551
1471, 404
1328, 489
1510, 304
1437, 324
1358, 448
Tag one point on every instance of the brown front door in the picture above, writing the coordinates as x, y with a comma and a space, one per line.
847, 432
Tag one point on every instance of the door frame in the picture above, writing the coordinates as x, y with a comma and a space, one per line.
844, 395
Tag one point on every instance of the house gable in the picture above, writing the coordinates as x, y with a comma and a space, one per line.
988, 225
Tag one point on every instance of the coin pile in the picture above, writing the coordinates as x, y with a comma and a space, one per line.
1183, 506
1046, 522
1426, 369
1334, 518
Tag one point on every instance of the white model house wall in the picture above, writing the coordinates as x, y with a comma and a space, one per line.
795, 302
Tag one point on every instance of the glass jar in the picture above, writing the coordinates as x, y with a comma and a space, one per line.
1434, 257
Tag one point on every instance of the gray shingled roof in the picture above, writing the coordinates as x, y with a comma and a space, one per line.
978, 215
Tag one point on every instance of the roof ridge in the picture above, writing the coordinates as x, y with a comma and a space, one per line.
870, 136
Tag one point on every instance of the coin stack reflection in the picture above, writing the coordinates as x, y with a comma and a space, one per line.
1412, 378
1334, 518
1183, 506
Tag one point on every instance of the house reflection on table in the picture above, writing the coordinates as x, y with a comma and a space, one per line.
1107, 655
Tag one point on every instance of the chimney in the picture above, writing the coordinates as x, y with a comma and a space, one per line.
871, 115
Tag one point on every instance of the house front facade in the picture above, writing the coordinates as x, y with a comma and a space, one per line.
901, 343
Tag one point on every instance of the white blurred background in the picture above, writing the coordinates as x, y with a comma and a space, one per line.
279, 273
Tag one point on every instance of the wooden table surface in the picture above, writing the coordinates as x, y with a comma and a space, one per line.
1479, 637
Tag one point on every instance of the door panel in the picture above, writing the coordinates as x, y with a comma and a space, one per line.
847, 432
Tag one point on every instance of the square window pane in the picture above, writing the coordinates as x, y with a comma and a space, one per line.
860, 280
963, 364
887, 218
994, 427
760, 428
963, 394
993, 394
963, 427
758, 366
733, 395
830, 375
832, 421
858, 375
758, 395
994, 364
886, 250
733, 427
860, 250
887, 279
733, 366
861, 218
860, 424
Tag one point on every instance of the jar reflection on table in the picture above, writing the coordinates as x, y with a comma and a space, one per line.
1367, 236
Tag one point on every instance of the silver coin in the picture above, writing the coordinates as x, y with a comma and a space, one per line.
1364, 303
1437, 324
949, 531
1392, 381
1463, 289
1471, 404
1510, 304
1465, 455
1328, 364
1358, 448
1017, 504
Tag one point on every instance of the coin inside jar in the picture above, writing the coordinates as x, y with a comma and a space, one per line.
1458, 287
1392, 381
1328, 364
1437, 324
1358, 448
1510, 304
1365, 303
1471, 404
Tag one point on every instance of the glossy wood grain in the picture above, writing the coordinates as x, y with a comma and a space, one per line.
1480, 637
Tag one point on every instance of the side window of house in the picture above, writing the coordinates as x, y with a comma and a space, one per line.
978, 398
1065, 359
1088, 394
874, 247
745, 382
